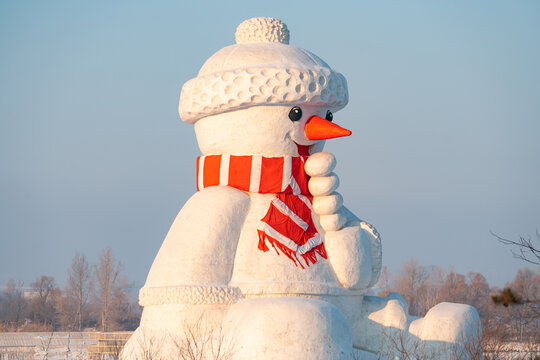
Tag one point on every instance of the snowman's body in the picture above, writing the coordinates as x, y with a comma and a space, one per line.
181, 289
237, 261
231, 256
210, 267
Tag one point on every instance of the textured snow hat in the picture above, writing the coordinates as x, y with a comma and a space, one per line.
261, 69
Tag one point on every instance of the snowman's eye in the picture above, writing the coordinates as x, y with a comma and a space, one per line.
329, 116
295, 114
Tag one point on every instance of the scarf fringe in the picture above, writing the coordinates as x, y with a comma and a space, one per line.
310, 256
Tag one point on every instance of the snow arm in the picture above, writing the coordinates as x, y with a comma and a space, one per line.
201, 244
353, 245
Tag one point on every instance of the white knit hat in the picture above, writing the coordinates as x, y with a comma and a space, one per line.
261, 69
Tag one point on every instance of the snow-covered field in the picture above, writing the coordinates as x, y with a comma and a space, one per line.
74, 346
44, 345
61, 345
515, 351
510, 351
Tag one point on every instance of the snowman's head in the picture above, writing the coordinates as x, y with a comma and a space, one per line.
263, 96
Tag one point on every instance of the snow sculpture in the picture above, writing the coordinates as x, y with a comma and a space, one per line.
265, 251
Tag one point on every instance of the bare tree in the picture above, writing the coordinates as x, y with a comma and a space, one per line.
478, 293
428, 294
521, 298
408, 283
201, 338
78, 288
527, 250
527, 284
454, 289
14, 305
204, 339
43, 300
110, 287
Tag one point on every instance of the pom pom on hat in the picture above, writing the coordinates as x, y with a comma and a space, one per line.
262, 29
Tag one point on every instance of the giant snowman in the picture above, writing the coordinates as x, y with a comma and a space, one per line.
264, 261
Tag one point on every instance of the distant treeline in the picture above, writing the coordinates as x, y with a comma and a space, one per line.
95, 296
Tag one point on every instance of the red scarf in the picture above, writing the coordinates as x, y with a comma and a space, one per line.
288, 224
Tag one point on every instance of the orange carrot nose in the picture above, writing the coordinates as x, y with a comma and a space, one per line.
318, 128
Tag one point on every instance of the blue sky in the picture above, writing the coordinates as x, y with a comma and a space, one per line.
444, 109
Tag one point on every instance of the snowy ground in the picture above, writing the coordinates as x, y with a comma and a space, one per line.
516, 351
44, 345
512, 351
71, 346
